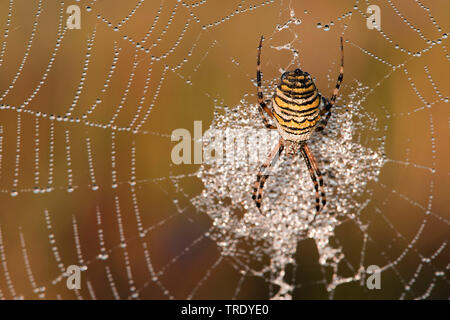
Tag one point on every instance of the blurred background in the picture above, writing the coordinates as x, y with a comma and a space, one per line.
86, 116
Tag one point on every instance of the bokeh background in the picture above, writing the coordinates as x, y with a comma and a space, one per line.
86, 176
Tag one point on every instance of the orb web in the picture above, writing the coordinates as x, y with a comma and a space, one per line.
86, 177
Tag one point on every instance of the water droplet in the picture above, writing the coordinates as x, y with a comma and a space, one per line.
103, 256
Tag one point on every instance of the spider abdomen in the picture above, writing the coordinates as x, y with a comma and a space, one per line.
296, 106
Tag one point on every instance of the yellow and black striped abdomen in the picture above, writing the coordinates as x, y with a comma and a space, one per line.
296, 106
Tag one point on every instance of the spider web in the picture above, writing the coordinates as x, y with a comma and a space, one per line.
86, 176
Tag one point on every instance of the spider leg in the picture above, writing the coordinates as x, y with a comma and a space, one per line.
315, 173
327, 109
262, 103
264, 172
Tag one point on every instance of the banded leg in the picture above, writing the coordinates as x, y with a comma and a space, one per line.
263, 173
327, 109
262, 103
315, 173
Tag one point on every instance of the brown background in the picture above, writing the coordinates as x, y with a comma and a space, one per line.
412, 182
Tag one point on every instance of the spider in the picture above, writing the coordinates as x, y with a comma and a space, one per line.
297, 108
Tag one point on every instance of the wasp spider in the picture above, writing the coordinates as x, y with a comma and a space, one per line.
297, 109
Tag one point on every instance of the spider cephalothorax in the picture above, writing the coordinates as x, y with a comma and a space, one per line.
297, 108
292, 147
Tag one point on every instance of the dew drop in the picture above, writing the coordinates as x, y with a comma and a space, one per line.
103, 256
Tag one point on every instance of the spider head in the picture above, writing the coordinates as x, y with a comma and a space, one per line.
291, 147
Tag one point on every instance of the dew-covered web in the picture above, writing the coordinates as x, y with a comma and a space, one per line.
87, 179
